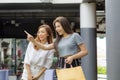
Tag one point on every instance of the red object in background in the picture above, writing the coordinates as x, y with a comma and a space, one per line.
19, 53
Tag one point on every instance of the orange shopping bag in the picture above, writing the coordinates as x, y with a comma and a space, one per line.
73, 73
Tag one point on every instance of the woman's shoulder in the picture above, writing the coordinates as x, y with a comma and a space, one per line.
75, 34
29, 44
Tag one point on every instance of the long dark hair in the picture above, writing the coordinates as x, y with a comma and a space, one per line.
65, 25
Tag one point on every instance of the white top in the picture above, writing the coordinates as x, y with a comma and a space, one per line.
37, 59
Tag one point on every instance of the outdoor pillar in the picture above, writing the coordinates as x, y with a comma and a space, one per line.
88, 32
0, 52
14, 54
113, 39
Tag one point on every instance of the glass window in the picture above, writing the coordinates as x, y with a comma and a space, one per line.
12, 52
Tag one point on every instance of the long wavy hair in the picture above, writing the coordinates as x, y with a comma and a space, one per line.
49, 32
65, 25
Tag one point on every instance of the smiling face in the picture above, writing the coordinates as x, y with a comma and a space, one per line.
42, 34
59, 28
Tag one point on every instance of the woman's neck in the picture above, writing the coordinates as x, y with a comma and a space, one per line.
43, 41
65, 35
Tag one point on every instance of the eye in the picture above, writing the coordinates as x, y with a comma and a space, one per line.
43, 31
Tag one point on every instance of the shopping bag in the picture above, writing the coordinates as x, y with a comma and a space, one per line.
49, 74
73, 73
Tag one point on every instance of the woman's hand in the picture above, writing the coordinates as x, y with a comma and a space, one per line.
29, 37
69, 60
30, 76
35, 78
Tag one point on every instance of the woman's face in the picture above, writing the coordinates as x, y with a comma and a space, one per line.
59, 28
42, 34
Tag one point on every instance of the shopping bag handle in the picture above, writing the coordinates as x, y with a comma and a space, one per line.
69, 64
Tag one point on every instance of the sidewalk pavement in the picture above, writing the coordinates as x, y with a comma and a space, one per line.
100, 77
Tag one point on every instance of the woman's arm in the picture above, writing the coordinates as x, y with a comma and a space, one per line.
38, 45
41, 46
83, 51
28, 71
39, 74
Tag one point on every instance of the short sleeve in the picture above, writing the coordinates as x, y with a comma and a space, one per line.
78, 39
27, 58
49, 59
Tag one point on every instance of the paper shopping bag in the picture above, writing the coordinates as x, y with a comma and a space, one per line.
74, 73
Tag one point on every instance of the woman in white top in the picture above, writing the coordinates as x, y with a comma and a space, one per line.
37, 60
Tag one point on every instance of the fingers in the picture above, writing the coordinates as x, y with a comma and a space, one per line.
27, 32
34, 78
69, 60
29, 37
